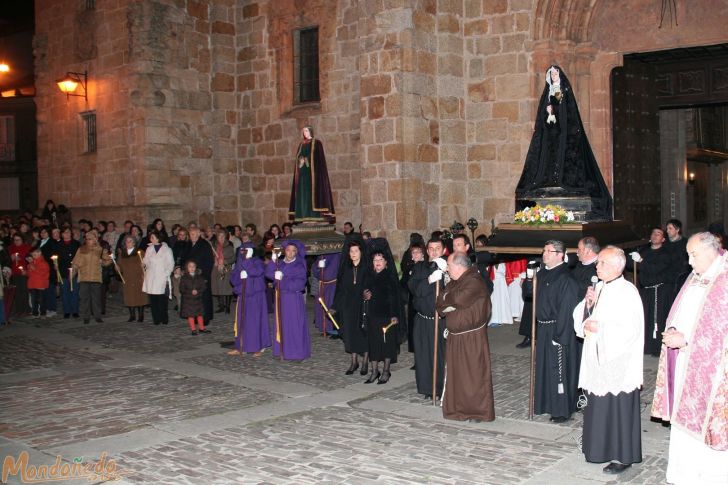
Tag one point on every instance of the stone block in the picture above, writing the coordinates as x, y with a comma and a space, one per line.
485, 46
251, 10
481, 152
513, 42
448, 23
265, 149
394, 152
275, 166
482, 91
500, 64
476, 27
375, 109
374, 154
427, 153
426, 62
197, 9
384, 131
512, 86
491, 7
411, 214
452, 131
523, 22
453, 171
375, 85
474, 171
273, 132
450, 65
502, 24
423, 21
434, 132
223, 82
508, 110
252, 166
246, 82
226, 28
450, 107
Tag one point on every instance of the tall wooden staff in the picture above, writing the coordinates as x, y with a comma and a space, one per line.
279, 329
634, 274
533, 348
434, 353
321, 294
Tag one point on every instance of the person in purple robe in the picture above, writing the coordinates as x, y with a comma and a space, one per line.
325, 269
290, 323
311, 199
252, 334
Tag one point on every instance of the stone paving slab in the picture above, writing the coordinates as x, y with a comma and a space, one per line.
102, 402
344, 445
510, 390
325, 370
23, 353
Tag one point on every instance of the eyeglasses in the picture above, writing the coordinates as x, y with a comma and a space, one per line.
550, 251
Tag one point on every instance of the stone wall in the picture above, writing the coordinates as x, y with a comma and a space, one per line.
426, 108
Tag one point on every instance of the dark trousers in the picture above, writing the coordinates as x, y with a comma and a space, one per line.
20, 303
158, 304
68, 297
37, 302
49, 296
89, 299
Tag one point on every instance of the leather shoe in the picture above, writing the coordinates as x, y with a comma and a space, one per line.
615, 468
385, 378
365, 369
558, 419
525, 343
373, 377
352, 368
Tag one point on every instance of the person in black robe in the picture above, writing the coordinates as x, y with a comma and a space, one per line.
348, 303
677, 246
414, 254
655, 277
423, 300
560, 161
586, 268
557, 366
201, 253
382, 311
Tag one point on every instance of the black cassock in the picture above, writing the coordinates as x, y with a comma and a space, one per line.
557, 364
583, 274
680, 267
656, 279
423, 333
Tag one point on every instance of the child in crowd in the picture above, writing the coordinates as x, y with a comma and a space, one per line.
191, 287
38, 275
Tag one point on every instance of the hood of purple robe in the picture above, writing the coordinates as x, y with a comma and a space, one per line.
299, 247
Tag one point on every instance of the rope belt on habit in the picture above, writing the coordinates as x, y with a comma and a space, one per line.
328, 282
447, 332
425, 316
546, 322
654, 309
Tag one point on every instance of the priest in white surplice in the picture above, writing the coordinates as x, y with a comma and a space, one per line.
610, 319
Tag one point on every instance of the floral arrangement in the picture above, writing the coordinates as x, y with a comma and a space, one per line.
549, 214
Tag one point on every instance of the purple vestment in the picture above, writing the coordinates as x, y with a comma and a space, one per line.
291, 314
327, 288
251, 316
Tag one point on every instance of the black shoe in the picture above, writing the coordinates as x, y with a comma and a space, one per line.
141, 314
76, 315
373, 377
558, 419
413, 367
194, 332
66, 315
365, 369
98, 320
615, 468
156, 323
333, 336
205, 331
86, 321
352, 368
385, 377
165, 323
132, 315
525, 343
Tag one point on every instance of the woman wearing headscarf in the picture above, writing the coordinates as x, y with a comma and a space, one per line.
348, 302
382, 311
252, 334
289, 275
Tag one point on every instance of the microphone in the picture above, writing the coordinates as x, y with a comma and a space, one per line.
594, 281
589, 311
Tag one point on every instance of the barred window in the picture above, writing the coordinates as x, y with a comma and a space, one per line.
7, 138
90, 4
88, 126
305, 65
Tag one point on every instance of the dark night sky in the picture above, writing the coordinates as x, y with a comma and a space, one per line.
16, 42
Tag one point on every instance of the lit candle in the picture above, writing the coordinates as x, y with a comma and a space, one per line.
55, 265
70, 276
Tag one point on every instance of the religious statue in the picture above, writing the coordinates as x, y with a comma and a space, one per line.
311, 199
560, 165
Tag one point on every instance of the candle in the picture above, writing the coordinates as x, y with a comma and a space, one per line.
70, 276
55, 265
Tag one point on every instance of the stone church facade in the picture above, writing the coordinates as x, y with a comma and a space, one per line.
426, 106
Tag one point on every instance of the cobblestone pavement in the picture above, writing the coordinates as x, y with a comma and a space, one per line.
172, 408
25, 353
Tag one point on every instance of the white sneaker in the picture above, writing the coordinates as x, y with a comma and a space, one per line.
50, 314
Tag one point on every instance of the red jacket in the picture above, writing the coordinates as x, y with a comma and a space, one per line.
38, 274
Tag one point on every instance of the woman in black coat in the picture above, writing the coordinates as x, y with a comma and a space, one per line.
348, 302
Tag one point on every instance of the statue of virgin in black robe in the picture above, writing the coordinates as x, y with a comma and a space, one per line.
560, 161
311, 198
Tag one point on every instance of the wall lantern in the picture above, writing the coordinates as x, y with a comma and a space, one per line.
4, 67
70, 82
691, 178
